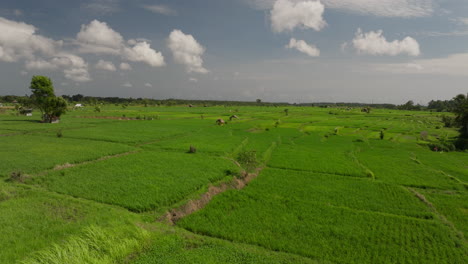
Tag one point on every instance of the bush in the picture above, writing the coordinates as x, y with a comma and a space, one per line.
442, 146
424, 135
461, 143
248, 160
192, 149
59, 133
448, 121
17, 176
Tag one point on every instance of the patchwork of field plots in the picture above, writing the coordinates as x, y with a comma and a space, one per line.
94, 188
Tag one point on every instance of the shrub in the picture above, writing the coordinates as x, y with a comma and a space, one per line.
59, 133
17, 176
424, 135
248, 160
442, 146
192, 149
448, 121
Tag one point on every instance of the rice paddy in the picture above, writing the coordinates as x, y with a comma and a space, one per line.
325, 189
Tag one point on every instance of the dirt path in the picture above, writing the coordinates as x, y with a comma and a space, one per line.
192, 206
71, 165
442, 218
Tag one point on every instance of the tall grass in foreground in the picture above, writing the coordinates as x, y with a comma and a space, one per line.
96, 246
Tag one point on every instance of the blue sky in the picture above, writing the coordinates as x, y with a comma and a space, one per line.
371, 51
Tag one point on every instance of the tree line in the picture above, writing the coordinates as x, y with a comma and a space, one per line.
52, 107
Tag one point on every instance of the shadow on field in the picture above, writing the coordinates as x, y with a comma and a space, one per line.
19, 120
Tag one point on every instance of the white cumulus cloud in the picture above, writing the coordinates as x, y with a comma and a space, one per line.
105, 65
161, 9
303, 47
194, 80
374, 43
19, 40
287, 15
148, 85
125, 66
143, 52
97, 37
74, 67
187, 51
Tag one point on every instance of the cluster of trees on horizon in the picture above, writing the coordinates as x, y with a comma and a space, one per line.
435, 105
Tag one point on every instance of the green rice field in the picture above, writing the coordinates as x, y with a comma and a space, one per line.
313, 185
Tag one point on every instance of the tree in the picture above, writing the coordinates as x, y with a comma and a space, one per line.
44, 99
461, 111
407, 106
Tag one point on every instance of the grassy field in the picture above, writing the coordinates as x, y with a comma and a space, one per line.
93, 188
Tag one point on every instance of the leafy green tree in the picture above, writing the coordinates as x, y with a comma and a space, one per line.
44, 99
461, 119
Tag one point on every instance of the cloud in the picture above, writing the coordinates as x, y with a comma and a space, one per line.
194, 80
74, 67
77, 74
303, 47
148, 85
40, 64
97, 37
161, 9
19, 40
452, 65
463, 20
135, 41
187, 51
383, 8
105, 65
24, 73
143, 52
102, 7
287, 15
125, 66
374, 43
455, 33
127, 84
